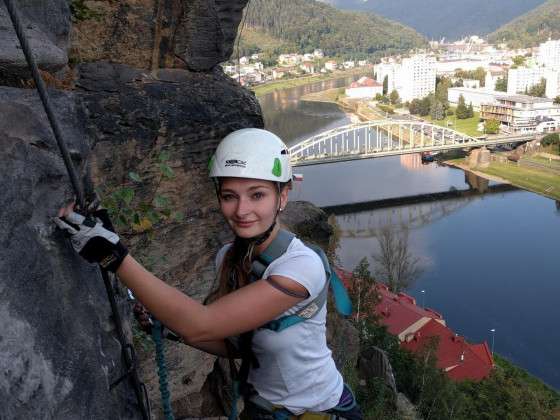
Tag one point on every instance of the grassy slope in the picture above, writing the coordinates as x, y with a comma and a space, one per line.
531, 28
467, 126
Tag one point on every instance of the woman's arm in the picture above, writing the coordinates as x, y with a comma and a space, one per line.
243, 310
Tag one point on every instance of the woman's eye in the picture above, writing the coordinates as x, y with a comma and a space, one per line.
258, 195
227, 197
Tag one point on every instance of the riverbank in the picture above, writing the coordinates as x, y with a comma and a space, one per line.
269, 87
538, 181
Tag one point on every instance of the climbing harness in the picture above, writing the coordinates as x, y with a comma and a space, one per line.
274, 250
126, 348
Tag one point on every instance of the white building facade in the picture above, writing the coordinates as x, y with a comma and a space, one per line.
523, 78
549, 54
413, 77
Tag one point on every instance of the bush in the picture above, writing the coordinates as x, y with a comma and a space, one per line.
386, 108
550, 139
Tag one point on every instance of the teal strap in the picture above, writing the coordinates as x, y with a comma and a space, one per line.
162, 370
235, 398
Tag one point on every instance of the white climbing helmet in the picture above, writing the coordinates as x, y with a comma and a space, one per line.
252, 153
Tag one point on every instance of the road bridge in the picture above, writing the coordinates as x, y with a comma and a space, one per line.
371, 139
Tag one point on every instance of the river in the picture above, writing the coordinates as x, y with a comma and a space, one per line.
489, 261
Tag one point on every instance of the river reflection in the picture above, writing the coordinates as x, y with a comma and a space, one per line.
490, 259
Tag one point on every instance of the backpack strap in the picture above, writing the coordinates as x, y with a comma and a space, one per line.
277, 248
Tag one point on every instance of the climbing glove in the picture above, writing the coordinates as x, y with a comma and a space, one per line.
94, 238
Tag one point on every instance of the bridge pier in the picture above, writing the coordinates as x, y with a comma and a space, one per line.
479, 158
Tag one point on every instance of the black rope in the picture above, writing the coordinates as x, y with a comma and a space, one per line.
126, 348
16, 21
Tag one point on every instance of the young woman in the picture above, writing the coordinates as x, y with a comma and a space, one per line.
291, 371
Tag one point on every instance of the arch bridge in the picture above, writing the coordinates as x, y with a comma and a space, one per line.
372, 139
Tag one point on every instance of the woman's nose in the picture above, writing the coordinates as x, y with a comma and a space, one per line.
243, 207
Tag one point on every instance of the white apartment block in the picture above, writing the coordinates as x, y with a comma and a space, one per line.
549, 54
523, 78
413, 78
552, 83
418, 77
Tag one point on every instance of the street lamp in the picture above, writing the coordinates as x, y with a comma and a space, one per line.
423, 298
493, 331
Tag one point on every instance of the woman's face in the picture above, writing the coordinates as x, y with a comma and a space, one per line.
250, 205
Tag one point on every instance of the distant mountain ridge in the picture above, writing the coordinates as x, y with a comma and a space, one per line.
532, 28
451, 19
308, 24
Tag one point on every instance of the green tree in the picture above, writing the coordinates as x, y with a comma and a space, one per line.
501, 84
362, 292
414, 107
557, 100
437, 112
462, 111
470, 111
385, 85
394, 97
550, 139
518, 61
442, 85
538, 90
424, 106
492, 126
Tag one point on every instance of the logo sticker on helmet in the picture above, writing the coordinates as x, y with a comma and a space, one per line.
236, 162
277, 168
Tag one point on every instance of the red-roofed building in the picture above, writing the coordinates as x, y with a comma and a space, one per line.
364, 87
400, 313
418, 327
459, 359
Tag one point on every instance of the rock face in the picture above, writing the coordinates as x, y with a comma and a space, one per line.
134, 117
58, 349
47, 26
149, 34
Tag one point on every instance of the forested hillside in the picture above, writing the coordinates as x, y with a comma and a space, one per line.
307, 24
445, 18
531, 28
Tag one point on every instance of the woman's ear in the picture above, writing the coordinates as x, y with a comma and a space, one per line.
284, 197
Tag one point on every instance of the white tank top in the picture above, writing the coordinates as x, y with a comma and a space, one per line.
296, 368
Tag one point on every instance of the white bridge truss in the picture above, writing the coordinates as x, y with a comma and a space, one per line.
372, 139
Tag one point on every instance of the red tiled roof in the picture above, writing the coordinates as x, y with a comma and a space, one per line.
460, 359
456, 356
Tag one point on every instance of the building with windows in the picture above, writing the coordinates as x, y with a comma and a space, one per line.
523, 78
412, 77
552, 83
549, 54
523, 114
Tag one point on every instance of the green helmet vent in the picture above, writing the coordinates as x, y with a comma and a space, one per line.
211, 162
277, 168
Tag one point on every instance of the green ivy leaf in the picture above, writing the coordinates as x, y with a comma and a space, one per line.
178, 216
164, 156
166, 170
134, 176
161, 201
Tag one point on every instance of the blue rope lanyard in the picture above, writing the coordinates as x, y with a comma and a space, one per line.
162, 370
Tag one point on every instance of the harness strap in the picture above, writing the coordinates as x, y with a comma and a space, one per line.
276, 249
